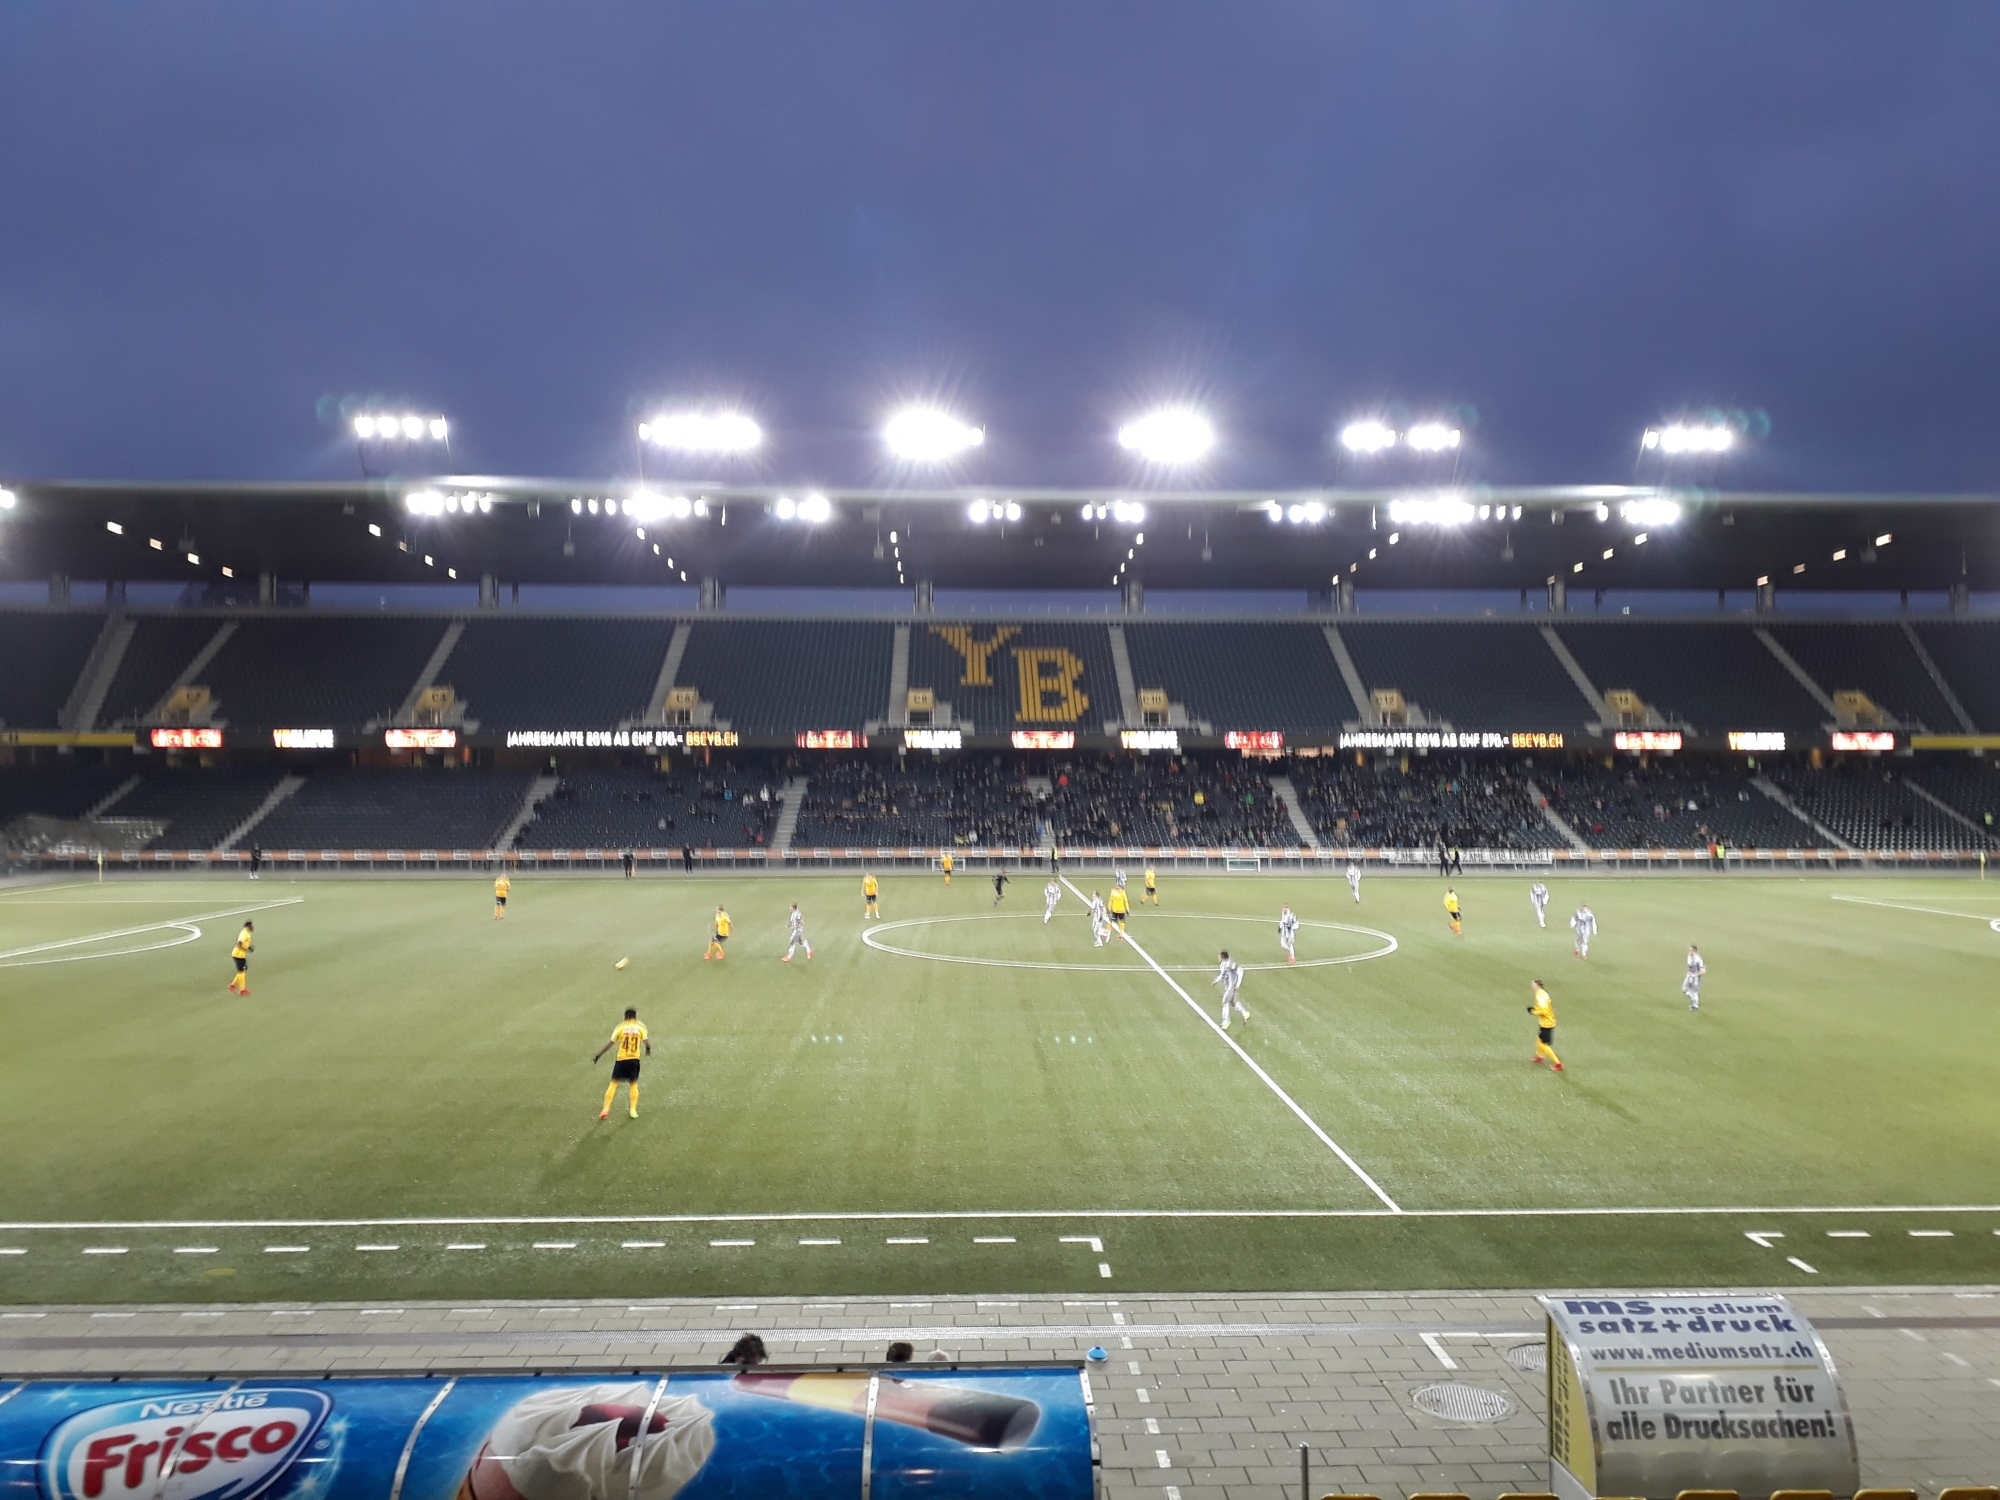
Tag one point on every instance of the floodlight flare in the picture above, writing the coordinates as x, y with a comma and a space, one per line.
815, 509
1367, 437
926, 435
1680, 438
1432, 437
1447, 510
1650, 512
703, 432
1169, 435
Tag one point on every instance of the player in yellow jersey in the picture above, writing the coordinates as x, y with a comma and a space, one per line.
946, 862
1544, 1012
630, 1040
1452, 913
500, 889
1121, 904
1152, 886
719, 937
246, 944
868, 890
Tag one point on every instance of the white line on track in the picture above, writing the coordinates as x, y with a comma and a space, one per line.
1002, 1215
182, 923
1269, 1082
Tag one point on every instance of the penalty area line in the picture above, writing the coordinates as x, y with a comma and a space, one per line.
1269, 1082
182, 923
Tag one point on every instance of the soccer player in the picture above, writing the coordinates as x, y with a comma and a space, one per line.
1100, 925
946, 863
1544, 1012
719, 937
1538, 897
1152, 886
246, 944
1229, 974
1288, 935
1584, 925
869, 892
500, 889
630, 1040
798, 920
1121, 904
999, 886
1452, 913
1354, 880
1118, 877
1691, 985
1051, 895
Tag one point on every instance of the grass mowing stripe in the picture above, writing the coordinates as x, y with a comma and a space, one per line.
1269, 1082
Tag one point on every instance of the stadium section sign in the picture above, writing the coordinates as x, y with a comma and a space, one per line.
1452, 739
1656, 1395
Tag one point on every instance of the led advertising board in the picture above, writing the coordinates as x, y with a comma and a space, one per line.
1045, 739
302, 739
1659, 741
1878, 741
933, 739
420, 739
1148, 740
1757, 739
187, 739
832, 739
1253, 739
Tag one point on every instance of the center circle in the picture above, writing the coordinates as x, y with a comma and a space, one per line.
872, 937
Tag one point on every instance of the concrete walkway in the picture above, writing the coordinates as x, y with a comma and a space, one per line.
1200, 1397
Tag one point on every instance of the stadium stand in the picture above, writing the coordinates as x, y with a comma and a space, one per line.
295, 671
1475, 676
61, 791
1710, 676
1867, 804
977, 670
1247, 676
861, 804
643, 809
1670, 805
160, 649
782, 676
44, 654
1470, 804
199, 805
1971, 786
349, 809
1186, 802
555, 674
1965, 652
1873, 659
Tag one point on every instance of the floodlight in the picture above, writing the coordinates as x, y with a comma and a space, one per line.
978, 512
424, 503
1445, 510
1315, 512
680, 507
439, 428
1367, 436
1170, 435
194, 558
1603, 512
1517, 512
1680, 438
1013, 510
1884, 539
1125, 510
373, 529
703, 432
1432, 437
815, 508
591, 505
892, 539
1650, 512
787, 507
1485, 511
1296, 514
925, 435
7, 499
413, 427
364, 426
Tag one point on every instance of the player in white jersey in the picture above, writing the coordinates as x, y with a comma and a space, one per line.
1288, 935
1118, 877
798, 921
1584, 925
1051, 894
1691, 985
1354, 880
1229, 974
1538, 894
1100, 921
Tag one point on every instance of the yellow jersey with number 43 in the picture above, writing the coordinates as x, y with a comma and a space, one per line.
631, 1039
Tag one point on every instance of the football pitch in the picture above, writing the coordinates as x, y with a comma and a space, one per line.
963, 1098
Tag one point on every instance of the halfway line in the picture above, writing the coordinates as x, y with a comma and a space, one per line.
1269, 1082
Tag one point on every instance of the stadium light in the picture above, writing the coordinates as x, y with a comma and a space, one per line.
393, 427
1367, 436
924, 435
7, 499
1650, 512
1432, 437
1169, 435
787, 507
1129, 511
1445, 510
815, 509
424, 503
702, 432
1680, 438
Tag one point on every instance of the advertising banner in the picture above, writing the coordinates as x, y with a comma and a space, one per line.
1024, 1434
1649, 1396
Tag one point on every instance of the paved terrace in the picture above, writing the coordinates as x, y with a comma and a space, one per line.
1201, 1396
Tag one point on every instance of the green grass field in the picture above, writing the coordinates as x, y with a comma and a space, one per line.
1032, 1115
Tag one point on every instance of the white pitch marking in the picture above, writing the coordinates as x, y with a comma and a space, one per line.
1096, 1245
1431, 1342
23, 1315
1763, 1237
201, 1315
905, 1241
1269, 1082
195, 1249
287, 1249
868, 937
114, 1315
378, 1247
819, 1242
1809, 1270
555, 1244
1104, 1269
1008, 1239
730, 1244
643, 1245
106, 1250
12, 1250
466, 1245
182, 923
1856, 1234
1930, 1234
288, 1312
1934, 911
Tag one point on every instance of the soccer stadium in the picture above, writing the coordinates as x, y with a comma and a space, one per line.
914, 752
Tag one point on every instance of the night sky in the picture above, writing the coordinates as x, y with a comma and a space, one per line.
1558, 222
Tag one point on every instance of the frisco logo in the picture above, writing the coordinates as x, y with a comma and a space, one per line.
182, 1447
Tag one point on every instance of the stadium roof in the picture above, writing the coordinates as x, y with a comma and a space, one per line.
409, 530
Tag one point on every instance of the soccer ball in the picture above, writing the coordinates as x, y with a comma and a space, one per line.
621, 963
